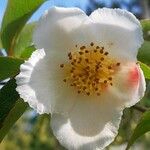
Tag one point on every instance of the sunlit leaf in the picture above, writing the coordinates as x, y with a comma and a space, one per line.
146, 28
146, 70
16, 15
9, 67
27, 52
142, 127
24, 41
144, 53
0, 42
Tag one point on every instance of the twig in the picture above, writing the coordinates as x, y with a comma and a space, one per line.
139, 108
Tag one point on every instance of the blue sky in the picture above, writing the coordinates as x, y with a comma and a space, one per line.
45, 6
50, 3
66, 3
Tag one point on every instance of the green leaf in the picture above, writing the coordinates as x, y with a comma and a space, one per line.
9, 67
24, 41
144, 53
146, 28
8, 97
16, 15
27, 52
142, 127
14, 114
145, 24
146, 70
11, 108
0, 42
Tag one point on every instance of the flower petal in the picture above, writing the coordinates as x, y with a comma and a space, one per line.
129, 85
119, 30
23, 81
40, 83
90, 125
93, 121
54, 29
60, 29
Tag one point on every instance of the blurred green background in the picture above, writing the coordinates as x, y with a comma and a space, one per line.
32, 132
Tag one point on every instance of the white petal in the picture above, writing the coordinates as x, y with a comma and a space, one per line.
40, 83
129, 84
54, 28
23, 81
92, 125
60, 29
93, 121
119, 30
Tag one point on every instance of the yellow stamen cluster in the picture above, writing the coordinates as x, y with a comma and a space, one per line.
90, 69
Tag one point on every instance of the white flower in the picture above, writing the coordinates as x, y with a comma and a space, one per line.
86, 74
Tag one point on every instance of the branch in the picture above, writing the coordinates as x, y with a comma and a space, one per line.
139, 108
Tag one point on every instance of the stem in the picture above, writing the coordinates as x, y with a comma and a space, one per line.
139, 108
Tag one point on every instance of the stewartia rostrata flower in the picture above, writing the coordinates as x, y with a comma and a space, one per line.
84, 73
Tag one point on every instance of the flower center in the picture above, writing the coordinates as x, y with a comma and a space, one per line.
90, 69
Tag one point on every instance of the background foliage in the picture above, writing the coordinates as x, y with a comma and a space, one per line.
33, 132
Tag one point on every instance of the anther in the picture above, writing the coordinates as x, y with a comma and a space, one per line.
80, 75
64, 80
82, 47
105, 81
102, 48
109, 67
87, 68
84, 88
69, 54
87, 60
62, 65
74, 60
118, 64
101, 51
70, 57
95, 50
102, 58
96, 89
88, 93
98, 94
72, 63
110, 78
97, 47
86, 51
106, 53
91, 43
79, 92
81, 53
71, 71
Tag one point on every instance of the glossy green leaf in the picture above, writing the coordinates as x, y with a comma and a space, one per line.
9, 67
146, 70
146, 28
27, 52
24, 42
14, 114
16, 15
144, 53
142, 127
8, 97
0, 42
11, 107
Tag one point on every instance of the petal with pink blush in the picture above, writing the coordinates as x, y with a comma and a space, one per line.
133, 76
